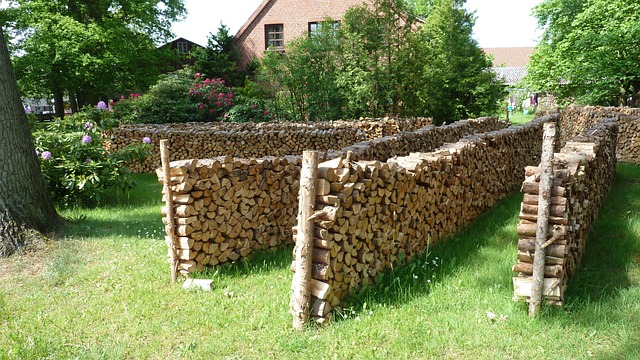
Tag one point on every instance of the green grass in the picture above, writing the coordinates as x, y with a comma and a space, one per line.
517, 117
103, 291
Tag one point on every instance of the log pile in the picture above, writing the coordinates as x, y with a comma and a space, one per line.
574, 120
254, 140
371, 214
225, 208
425, 139
584, 171
268, 187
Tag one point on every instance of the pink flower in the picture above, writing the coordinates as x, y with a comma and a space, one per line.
207, 81
201, 106
253, 106
197, 75
122, 97
266, 112
218, 103
226, 116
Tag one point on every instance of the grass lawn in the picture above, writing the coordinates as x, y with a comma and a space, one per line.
103, 291
517, 117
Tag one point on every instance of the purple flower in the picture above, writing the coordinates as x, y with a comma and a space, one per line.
27, 110
37, 152
88, 125
102, 105
88, 161
86, 139
146, 140
46, 155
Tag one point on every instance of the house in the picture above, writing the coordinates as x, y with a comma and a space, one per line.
182, 48
275, 22
510, 63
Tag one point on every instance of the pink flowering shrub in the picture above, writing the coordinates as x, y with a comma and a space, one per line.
213, 97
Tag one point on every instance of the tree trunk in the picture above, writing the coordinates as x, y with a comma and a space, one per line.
25, 205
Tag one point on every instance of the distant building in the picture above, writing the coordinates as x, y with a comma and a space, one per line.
510, 63
275, 22
182, 48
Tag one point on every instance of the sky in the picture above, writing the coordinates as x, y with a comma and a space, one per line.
499, 23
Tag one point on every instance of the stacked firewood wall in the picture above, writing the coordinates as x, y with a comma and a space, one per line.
584, 171
425, 139
254, 140
226, 208
574, 120
370, 214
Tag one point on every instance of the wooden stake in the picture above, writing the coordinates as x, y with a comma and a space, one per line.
544, 202
301, 286
171, 213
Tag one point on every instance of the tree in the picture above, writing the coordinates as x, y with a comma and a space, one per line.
455, 81
589, 51
376, 46
89, 50
220, 58
25, 206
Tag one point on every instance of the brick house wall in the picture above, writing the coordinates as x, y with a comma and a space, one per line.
294, 15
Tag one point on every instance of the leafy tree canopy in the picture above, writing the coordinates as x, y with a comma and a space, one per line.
589, 51
89, 49
220, 58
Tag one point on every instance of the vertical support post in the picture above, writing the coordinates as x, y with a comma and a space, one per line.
171, 212
542, 229
301, 285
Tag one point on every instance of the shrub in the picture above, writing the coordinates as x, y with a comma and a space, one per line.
213, 97
250, 110
167, 101
76, 166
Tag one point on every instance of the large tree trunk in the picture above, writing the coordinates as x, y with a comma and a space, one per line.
25, 205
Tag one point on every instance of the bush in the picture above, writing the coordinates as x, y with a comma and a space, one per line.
76, 166
167, 101
250, 110
213, 97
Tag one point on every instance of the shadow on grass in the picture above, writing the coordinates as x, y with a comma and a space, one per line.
260, 261
496, 229
611, 248
133, 214
611, 244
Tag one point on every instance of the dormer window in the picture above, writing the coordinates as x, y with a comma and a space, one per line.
183, 47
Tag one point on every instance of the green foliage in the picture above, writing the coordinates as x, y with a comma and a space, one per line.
379, 63
589, 51
167, 101
89, 50
250, 109
220, 58
76, 166
213, 97
456, 81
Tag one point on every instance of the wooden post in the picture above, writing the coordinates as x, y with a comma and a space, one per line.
171, 212
544, 202
301, 286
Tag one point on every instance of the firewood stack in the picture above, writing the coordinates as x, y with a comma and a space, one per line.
575, 120
425, 139
584, 171
212, 229
254, 140
371, 214
226, 208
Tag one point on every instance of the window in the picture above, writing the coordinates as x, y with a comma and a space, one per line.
316, 27
274, 36
183, 47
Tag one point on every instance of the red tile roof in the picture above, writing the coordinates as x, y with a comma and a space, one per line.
509, 56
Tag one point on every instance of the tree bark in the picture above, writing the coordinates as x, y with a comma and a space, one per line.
542, 229
300, 299
25, 205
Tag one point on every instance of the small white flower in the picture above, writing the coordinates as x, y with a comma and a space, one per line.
491, 316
